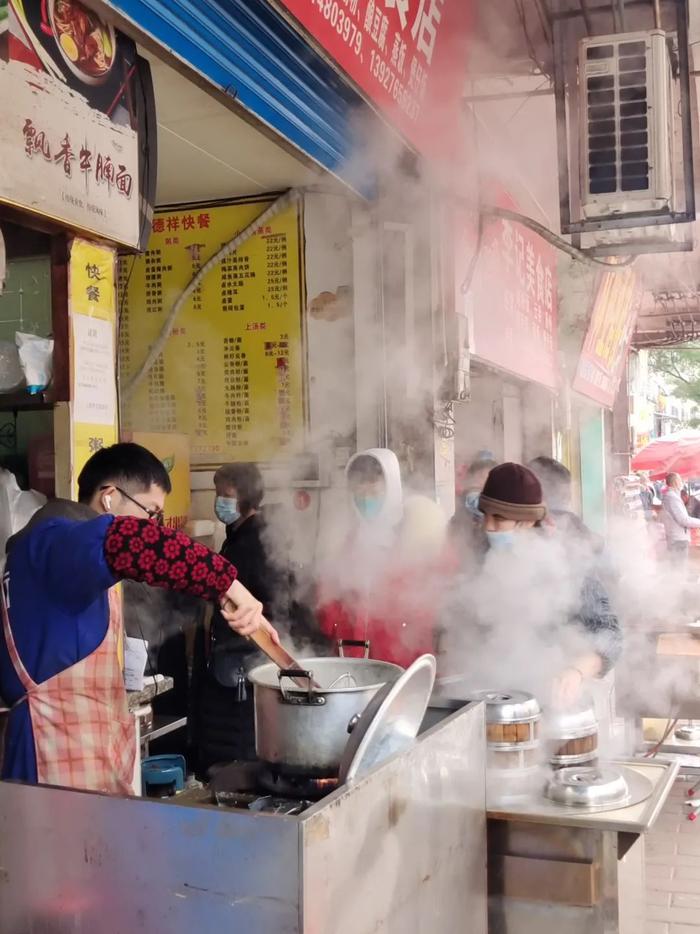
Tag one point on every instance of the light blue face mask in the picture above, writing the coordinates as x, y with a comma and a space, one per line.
226, 509
501, 541
369, 507
471, 501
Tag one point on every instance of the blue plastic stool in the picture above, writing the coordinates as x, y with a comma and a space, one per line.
163, 776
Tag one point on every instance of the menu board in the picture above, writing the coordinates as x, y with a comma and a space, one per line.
230, 375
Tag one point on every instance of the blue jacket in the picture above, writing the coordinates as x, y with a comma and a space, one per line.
56, 582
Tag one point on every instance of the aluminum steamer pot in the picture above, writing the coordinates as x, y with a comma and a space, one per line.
573, 736
304, 732
513, 753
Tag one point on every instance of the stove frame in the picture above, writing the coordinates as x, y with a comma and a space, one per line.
403, 849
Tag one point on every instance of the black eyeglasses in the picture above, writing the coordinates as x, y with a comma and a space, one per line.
155, 515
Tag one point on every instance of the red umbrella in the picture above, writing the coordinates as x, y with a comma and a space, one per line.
678, 452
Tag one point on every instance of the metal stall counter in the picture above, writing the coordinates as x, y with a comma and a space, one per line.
401, 848
565, 845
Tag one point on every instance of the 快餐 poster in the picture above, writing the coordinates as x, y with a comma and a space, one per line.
231, 374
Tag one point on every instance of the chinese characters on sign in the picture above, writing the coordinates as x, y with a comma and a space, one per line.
514, 302
609, 334
231, 373
104, 171
64, 160
92, 306
409, 56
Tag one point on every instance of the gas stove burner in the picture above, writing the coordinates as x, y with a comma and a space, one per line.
262, 804
291, 785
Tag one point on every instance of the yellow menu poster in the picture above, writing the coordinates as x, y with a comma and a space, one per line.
230, 375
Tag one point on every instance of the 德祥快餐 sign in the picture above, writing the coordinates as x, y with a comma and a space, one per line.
230, 375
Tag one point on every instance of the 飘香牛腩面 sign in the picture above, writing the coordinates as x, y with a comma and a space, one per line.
73, 145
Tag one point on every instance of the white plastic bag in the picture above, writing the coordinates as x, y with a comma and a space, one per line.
16, 507
36, 357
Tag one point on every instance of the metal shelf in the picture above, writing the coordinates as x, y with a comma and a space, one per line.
23, 402
162, 726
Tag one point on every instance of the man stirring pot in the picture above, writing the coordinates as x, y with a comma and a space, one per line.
61, 618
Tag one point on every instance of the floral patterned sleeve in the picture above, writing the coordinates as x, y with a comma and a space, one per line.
140, 550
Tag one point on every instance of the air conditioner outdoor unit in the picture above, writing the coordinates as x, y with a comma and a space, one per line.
626, 111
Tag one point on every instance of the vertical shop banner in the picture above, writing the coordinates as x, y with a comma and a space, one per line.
92, 307
513, 295
230, 375
76, 114
608, 338
408, 56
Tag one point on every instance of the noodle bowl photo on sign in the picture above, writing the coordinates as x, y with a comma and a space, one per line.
86, 43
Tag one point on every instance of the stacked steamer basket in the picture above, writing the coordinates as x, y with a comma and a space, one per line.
573, 736
513, 741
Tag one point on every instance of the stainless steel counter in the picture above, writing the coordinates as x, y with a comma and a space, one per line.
637, 819
401, 852
555, 869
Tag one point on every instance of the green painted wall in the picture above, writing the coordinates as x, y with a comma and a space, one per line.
25, 305
593, 492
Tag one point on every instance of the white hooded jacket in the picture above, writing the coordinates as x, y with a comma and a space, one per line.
413, 527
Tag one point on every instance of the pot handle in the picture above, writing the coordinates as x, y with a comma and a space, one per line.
353, 644
297, 675
354, 720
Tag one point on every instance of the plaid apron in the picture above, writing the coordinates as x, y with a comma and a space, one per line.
84, 735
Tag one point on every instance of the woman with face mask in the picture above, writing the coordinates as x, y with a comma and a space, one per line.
223, 697
395, 549
530, 595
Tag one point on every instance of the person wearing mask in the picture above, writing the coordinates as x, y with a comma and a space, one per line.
395, 548
224, 718
647, 494
61, 618
467, 514
533, 619
675, 517
555, 480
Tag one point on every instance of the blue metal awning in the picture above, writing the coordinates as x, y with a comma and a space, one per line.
246, 49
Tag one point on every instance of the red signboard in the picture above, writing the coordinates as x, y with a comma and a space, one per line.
513, 299
408, 56
609, 334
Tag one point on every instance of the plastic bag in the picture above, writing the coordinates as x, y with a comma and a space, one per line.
16, 507
36, 357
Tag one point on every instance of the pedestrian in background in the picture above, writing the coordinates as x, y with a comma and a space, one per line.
676, 519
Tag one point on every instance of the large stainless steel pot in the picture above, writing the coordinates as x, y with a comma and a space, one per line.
305, 732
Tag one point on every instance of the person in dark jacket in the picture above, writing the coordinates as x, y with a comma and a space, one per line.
467, 515
529, 612
223, 698
555, 479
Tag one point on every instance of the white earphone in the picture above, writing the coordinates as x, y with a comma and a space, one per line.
108, 503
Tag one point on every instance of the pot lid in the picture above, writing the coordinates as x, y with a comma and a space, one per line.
579, 720
590, 787
507, 706
391, 720
689, 732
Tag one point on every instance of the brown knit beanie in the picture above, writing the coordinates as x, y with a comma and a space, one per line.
513, 492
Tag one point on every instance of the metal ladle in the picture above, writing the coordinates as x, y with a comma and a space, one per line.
350, 681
